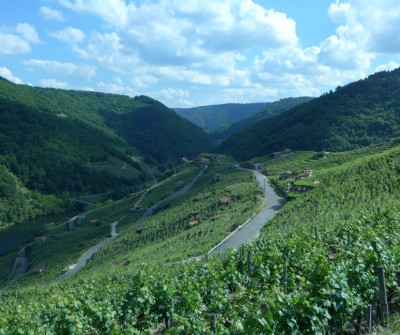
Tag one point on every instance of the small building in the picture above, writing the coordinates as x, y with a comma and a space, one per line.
40, 239
195, 213
192, 223
38, 270
137, 208
81, 215
222, 214
169, 193
179, 183
214, 158
218, 177
286, 175
287, 150
225, 199
317, 182
185, 160
139, 230
276, 154
304, 174
94, 221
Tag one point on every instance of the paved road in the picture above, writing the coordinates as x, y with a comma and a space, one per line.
252, 229
82, 261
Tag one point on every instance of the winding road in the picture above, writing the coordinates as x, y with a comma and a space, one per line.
250, 231
82, 261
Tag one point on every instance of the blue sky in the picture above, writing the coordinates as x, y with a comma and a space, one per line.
198, 52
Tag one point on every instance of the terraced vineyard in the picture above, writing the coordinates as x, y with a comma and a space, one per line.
314, 270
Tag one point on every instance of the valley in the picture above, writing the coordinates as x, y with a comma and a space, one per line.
292, 227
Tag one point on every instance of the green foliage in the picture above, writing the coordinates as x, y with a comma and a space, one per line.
274, 108
354, 116
298, 282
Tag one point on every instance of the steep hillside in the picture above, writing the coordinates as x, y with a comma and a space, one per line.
56, 141
140, 122
361, 113
214, 116
314, 270
269, 110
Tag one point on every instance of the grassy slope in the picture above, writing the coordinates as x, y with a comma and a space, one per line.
354, 116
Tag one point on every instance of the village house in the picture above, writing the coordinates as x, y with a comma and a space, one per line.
38, 270
304, 174
192, 223
218, 177
137, 208
169, 193
185, 160
214, 158
276, 154
286, 175
40, 239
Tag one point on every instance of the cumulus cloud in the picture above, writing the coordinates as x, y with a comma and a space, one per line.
206, 44
12, 44
53, 83
28, 32
115, 12
69, 35
387, 67
82, 71
6, 73
115, 89
51, 14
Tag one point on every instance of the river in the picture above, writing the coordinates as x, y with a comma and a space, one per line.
13, 237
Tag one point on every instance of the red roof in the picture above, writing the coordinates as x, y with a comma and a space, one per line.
169, 193
94, 220
137, 206
40, 238
223, 214
192, 223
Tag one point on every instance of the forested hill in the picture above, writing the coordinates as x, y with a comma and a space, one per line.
58, 142
356, 115
213, 116
269, 110
142, 123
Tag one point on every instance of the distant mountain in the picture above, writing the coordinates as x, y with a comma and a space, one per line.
356, 115
213, 116
52, 141
269, 110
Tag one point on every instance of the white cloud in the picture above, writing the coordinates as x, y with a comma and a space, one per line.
82, 71
115, 89
28, 32
368, 29
53, 83
115, 12
51, 14
387, 67
6, 73
69, 35
11, 45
